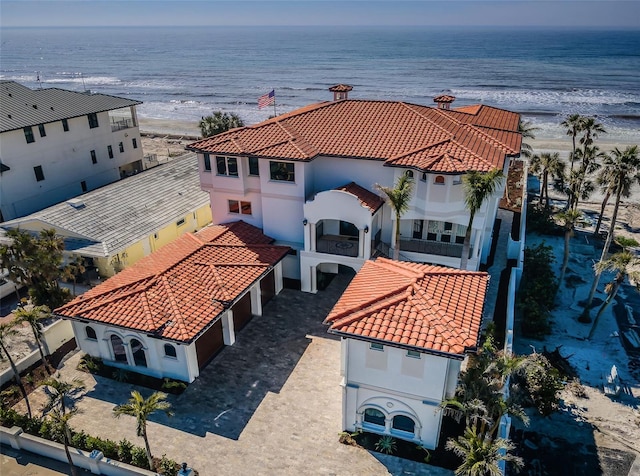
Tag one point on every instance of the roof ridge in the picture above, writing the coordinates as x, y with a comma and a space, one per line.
220, 284
419, 149
471, 152
371, 306
175, 309
424, 116
420, 298
145, 287
397, 267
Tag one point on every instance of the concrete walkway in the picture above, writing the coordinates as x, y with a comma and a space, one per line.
22, 463
268, 405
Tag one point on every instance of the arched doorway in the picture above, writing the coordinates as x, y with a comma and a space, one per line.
137, 350
119, 352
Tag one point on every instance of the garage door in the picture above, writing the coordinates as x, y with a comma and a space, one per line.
268, 288
242, 312
209, 344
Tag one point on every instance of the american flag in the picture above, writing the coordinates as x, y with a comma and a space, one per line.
267, 99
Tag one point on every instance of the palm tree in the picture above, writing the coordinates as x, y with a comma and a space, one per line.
61, 394
218, 123
590, 128
141, 409
481, 454
398, 199
526, 129
34, 317
606, 187
623, 264
624, 171
573, 125
478, 187
544, 165
61, 427
581, 186
568, 221
74, 268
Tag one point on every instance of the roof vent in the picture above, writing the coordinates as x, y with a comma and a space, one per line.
35, 106
76, 203
340, 91
444, 101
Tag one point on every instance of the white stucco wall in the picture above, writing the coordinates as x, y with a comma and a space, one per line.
396, 384
66, 162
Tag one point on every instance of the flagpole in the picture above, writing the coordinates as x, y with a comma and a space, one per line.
274, 103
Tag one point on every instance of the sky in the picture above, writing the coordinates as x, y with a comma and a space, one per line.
571, 13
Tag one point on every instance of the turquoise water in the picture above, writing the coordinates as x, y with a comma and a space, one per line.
184, 73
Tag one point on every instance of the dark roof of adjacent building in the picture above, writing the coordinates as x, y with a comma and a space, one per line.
111, 218
400, 134
22, 106
418, 306
178, 291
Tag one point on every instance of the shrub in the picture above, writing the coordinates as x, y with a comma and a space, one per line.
386, 444
537, 291
79, 440
121, 375
124, 451
542, 383
90, 364
167, 467
173, 386
626, 242
541, 221
139, 457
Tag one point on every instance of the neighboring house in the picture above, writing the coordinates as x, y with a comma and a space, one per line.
308, 179
170, 313
116, 225
405, 329
57, 144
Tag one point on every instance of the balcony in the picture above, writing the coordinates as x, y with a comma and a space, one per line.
338, 245
118, 125
453, 250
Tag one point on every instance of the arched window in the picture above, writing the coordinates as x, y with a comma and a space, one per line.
439, 180
409, 173
404, 423
373, 416
138, 353
169, 350
91, 334
119, 354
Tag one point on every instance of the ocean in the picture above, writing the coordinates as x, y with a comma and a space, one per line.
183, 73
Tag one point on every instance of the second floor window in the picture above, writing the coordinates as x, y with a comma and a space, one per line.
253, 166
93, 120
65, 125
282, 171
239, 207
134, 141
227, 166
207, 162
94, 157
121, 146
110, 151
39, 173
28, 134
43, 132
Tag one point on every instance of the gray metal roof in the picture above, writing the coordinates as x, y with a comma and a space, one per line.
108, 220
21, 107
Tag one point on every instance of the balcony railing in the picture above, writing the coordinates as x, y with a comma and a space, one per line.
453, 250
338, 245
121, 124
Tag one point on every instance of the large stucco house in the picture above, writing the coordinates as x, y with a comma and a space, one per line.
116, 225
405, 329
308, 177
170, 313
57, 144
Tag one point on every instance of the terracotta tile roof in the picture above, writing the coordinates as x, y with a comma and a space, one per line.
176, 292
367, 199
398, 133
413, 305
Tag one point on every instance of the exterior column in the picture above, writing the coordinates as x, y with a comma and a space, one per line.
277, 277
362, 249
228, 331
312, 237
476, 246
256, 302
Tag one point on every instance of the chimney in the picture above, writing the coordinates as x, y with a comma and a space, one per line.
444, 101
340, 91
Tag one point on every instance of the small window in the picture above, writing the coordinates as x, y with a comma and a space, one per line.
414, 354
110, 151
93, 120
459, 239
373, 416
180, 222
65, 125
253, 166
94, 157
457, 180
155, 236
409, 173
376, 346
234, 206
207, 162
91, 333
121, 146
39, 173
227, 166
448, 226
403, 423
170, 351
28, 134
282, 171
439, 180
83, 185
423, 177
245, 208
43, 132
134, 141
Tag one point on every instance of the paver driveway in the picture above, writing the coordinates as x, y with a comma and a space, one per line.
268, 405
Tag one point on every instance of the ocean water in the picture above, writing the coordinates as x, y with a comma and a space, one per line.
184, 73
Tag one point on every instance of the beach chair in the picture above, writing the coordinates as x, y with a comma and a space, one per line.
612, 386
